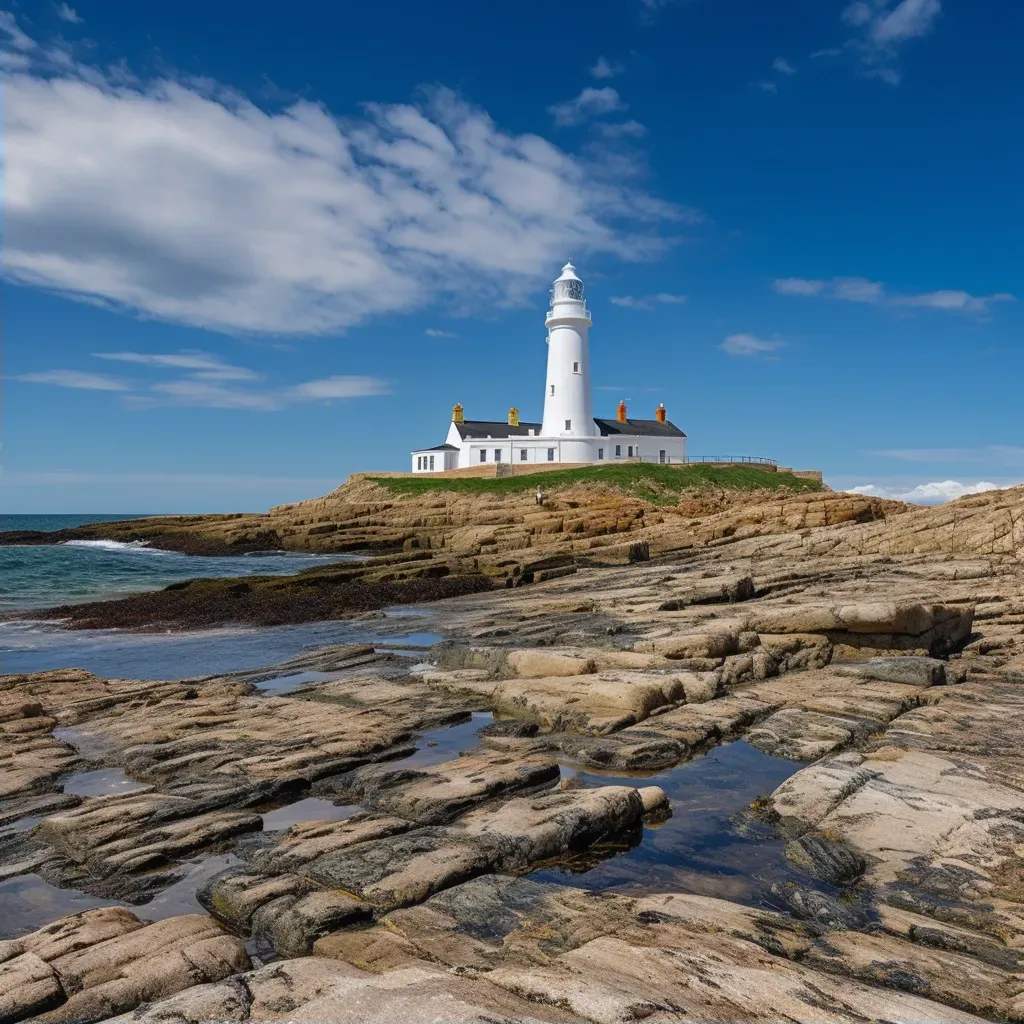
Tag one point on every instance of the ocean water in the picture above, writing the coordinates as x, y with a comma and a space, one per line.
37, 576
41, 575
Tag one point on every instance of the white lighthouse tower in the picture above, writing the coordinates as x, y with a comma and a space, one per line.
569, 433
568, 406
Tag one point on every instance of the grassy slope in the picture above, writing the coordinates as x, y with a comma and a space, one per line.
651, 482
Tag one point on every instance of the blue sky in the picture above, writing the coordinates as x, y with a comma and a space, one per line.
250, 249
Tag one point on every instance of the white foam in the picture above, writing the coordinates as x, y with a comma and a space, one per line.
114, 545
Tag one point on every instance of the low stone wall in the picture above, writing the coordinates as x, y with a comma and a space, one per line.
489, 471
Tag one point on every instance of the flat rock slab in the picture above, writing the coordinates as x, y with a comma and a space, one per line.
104, 962
382, 864
313, 990
596, 704
442, 792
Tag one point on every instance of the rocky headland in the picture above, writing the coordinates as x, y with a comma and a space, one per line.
870, 653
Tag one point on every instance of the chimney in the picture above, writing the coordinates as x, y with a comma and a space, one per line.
513, 417
659, 413
621, 416
457, 413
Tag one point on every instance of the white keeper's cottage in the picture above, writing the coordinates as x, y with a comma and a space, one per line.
569, 432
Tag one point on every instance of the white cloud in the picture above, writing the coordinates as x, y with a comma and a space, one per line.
783, 66
604, 68
857, 14
852, 289
860, 289
198, 393
621, 130
204, 384
908, 20
749, 345
16, 39
73, 379
590, 103
203, 365
434, 332
797, 286
201, 393
341, 386
767, 86
952, 301
184, 201
647, 301
831, 51
66, 13
857, 289
881, 29
935, 493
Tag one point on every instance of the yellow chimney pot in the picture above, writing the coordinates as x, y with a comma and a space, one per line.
621, 415
513, 417
457, 416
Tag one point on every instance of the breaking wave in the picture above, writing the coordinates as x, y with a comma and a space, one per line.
114, 545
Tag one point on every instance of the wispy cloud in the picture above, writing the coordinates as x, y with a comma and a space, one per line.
604, 68
647, 301
340, 386
591, 102
435, 332
69, 14
851, 289
882, 28
203, 208
935, 493
750, 346
209, 382
992, 454
203, 365
621, 129
797, 286
952, 301
73, 379
766, 86
860, 289
783, 66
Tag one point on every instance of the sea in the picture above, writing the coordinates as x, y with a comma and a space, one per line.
44, 575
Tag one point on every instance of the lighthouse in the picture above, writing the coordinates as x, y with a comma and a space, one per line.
569, 433
568, 406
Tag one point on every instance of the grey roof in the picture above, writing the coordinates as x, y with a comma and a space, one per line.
438, 448
476, 429
638, 428
496, 429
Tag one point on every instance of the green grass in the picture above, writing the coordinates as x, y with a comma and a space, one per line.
650, 482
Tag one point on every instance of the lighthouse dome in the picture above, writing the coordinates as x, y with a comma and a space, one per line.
567, 285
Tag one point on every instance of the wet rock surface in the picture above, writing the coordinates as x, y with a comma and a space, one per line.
873, 663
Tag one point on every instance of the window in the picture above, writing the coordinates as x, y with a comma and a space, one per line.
661, 455
483, 454
551, 455
497, 455
431, 462
552, 389
568, 424
522, 454
419, 462
618, 451
629, 451
575, 367
600, 453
